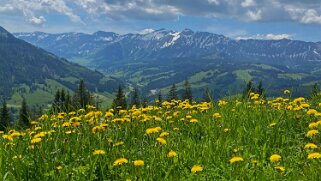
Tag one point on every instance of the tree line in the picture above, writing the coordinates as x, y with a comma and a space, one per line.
64, 101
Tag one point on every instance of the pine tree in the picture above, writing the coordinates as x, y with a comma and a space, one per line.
248, 89
4, 117
315, 90
160, 98
24, 115
120, 100
172, 94
56, 102
207, 95
135, 98
82, 97
62, 100
260, 89
188, 91
144, 102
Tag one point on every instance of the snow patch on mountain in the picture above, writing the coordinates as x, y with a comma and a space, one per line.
176, 36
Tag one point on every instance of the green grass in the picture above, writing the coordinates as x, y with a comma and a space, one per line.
244, 74
209, 135
294, 76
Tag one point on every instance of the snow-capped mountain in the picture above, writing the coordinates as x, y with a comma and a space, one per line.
103, 48
155, 59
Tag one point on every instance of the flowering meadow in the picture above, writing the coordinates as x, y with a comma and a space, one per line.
225, 140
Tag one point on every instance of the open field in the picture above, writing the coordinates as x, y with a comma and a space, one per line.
226, 140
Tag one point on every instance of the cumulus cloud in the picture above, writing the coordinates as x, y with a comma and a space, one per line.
306, 12
269, 36
37, 20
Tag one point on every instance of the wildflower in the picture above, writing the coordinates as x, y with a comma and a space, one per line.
275, 158
7, 137
226, 130
216, 115
153, 130
254, 161
236, 159
193, 121
175, 129
97, 129
312, 132
35, 140
120, 161
314, 155
286, 91
280, 169
272, 124
163, 134
16, 157
312, 111
310, 146
171, 154
196, 168
139, 163
161, 141
37, 128
31, 147
119, 143
59, 167
313, 125
99, 152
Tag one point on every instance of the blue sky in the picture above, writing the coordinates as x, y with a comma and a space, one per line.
239, 19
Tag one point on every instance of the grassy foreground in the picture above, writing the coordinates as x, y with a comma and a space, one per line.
228, 140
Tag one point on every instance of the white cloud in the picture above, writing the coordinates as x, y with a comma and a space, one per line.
37, 20
255, 16
306, 12
311, 16
269, 36
248, 3
146, 31
6, 8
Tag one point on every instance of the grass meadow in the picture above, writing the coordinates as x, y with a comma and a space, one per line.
230, 139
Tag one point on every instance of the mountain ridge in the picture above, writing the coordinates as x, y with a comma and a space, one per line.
155, 59
27, 69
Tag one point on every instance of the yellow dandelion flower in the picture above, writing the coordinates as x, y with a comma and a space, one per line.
35, 140
99, 152
310, 146
139, 163
175, 129
314, 155
153, 130
286, 91
16, 157
236, 159
313, 125
196, 168
280, 169
119, 143
59, 167
312, 132
275, 158
312, 111
7, 137
226, 130
162, 141
188, 117
171, 154
120, 161
193, 121
272, 124
164, 134
217, 115
68, 132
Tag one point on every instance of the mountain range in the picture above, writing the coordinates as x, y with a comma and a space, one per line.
158, 58
31, 72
